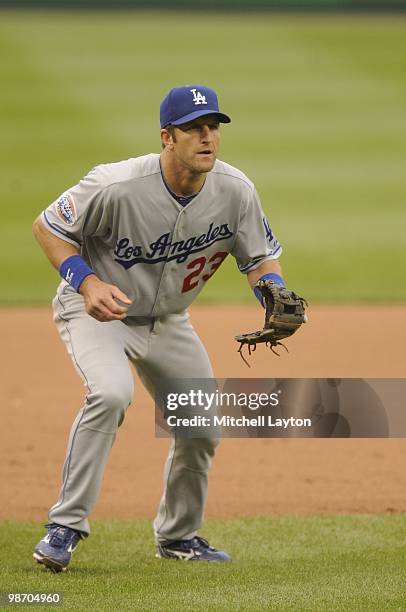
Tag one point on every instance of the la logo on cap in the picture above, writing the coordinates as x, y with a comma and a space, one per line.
198, 98
179, 106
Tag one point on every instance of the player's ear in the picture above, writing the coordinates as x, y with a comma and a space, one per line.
166, 138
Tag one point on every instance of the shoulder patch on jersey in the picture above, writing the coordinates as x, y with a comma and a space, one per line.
65, 207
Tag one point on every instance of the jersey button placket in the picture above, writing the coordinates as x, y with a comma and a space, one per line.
170, 267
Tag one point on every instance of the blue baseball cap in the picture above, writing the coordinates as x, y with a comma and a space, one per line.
183, 104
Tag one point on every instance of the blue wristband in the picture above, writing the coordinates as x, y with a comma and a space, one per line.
278, 280
74, 270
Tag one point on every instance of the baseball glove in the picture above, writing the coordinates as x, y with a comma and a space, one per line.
284, 314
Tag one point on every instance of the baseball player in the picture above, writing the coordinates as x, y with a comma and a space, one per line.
135, 242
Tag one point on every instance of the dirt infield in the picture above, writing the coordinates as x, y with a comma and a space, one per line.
41, 393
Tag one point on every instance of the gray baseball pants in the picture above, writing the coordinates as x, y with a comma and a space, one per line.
165, 347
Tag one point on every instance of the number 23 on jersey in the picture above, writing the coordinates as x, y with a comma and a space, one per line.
197, 266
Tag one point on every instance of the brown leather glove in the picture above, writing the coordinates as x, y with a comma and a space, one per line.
284, 314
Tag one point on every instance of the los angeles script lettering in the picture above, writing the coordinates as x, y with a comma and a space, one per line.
163, 249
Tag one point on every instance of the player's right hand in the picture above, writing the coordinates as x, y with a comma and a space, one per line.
100, 299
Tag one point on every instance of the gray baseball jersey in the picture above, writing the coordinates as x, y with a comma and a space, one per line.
135, 235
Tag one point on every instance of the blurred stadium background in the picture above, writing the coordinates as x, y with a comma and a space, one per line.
318, 106
317, 93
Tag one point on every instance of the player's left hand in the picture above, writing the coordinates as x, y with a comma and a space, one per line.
284, 314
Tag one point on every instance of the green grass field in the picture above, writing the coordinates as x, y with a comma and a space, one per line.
290, 563
318, 108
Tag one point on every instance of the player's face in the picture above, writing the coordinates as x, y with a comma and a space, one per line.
196, 143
